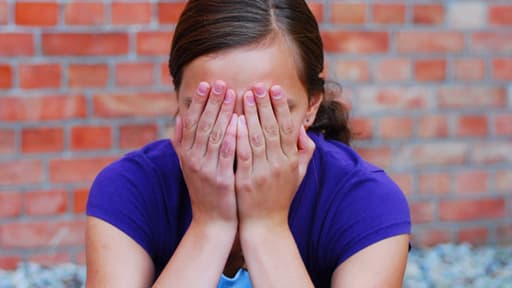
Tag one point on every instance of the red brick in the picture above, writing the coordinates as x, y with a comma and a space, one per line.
154, 43
361, 42
472, 97
428, 14
42, 234
432, 154
134, 136
135, 74
435, 183
430, 70
372, 99
380, 156
492, 42
318, 10
430, 42
431, 237
42, 140
5, 76
472, 182
502, 69
165, 75
4, 16
91, 137
7, 141
393, 70
395, 127
352, 70
504, 181
36, 76
147, 105
169, 13
492, 152
10, 204
36, 13
50, 258
389, 13
404, 181
80, 197
475, 236
9, 262
76, 170
87, 75
469, 69
472, 125
348, 13
433, 126
500, 14
362, 128
131, 13
21, 172
84, 13
45, 202
16, 44
503, 124
467, 210
421, 212
42, 108
83, 44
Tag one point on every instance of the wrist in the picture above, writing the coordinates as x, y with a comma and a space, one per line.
216, 231
254, 232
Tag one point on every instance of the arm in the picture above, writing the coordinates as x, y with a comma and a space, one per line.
115, 260
379, 265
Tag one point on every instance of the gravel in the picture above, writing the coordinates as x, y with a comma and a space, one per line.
445, 265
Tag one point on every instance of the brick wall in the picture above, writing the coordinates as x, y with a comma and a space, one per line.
428, 83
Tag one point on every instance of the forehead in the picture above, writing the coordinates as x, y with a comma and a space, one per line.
272, 63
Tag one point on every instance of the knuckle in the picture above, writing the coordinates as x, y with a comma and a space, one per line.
256, 140
287, 127
189, 122
215, 137
271, 131
205, 126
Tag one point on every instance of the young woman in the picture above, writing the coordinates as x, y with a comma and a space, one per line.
242, 189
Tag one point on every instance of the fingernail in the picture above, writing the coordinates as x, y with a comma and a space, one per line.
249, 96
277, 92
230, 96
234, 119
259, 90
202, 89
218, 87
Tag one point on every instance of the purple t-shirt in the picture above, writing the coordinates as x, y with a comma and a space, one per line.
343, 205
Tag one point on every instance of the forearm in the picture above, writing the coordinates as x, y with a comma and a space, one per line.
273, 258
199, 258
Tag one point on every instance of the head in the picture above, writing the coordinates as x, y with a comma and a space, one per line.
275, 42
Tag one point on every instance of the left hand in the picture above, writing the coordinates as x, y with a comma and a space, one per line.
272, 159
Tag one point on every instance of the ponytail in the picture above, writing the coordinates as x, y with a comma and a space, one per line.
332, 116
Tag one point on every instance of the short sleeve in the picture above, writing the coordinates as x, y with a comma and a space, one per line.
121, 196
369, 208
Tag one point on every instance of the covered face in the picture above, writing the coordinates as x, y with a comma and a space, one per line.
271, 63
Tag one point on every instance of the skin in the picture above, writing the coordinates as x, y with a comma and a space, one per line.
255, 114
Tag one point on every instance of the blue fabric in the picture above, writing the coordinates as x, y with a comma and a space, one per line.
343, 205
241, 280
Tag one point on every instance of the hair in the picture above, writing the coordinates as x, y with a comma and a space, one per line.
209, 26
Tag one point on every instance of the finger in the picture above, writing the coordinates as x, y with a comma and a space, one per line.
209, 116
306, 148
219, 129
228, 148
268, 122
287, 130
243, 148
193, 114
256, 138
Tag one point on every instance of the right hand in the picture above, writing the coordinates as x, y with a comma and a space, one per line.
205, 141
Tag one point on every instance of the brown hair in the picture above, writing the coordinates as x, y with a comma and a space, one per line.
209, 26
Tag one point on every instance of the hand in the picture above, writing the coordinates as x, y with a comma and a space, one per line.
272, 154
205, 141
